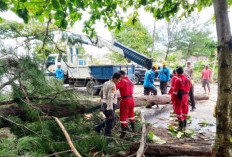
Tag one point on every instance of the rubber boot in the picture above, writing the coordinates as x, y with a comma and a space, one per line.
181, 125
184, 125
133, 126
193, 109
123, 132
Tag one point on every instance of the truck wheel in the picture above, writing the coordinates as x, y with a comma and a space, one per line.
89, 87
135, 80
66, 79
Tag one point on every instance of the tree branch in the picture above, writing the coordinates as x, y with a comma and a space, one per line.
45, 37
22, 126
77, 154
8, 82
140, 151
66, 151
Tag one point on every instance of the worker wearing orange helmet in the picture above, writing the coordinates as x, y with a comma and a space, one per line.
148, 83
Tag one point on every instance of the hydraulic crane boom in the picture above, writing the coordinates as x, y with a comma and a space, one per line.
126, 52
119, 48
135, 56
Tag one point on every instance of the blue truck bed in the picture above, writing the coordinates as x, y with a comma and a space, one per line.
105, 72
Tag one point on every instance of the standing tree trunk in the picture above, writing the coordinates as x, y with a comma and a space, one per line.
169, 35
214, 66
224, 105
167, 52
188, 52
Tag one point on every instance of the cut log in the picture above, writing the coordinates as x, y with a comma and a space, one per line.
200, 96
142, 100
174, 150
151, 100
64, 110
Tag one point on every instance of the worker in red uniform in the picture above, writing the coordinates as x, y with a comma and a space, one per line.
127, 103
180, 96
170, 92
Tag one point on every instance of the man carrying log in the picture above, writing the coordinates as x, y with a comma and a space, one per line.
109, 101
127, 103
148, 83
180, 95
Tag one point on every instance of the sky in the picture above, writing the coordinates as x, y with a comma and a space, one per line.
146, 19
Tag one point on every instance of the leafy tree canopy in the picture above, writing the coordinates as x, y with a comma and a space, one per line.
66, 12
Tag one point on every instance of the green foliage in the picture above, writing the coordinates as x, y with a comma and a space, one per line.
31, 144
204, 123
194, 43
34, 32
65, 13
8, 147
179, 134
154, 138
117, 58
3, 6
26, 146
95, 144
172, 58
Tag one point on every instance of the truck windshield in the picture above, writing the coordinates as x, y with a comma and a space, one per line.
50, 61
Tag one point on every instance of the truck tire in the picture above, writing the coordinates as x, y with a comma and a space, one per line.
135, 80
89, 88
66, 79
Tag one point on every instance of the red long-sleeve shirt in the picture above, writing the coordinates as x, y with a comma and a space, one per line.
125, 87
172, 84
182, 82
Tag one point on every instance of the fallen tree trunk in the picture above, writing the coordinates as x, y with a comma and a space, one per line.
64, 110
140, 100
151, 100
174, 150
199, 96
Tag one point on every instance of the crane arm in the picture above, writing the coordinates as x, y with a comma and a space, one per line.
118, 48
126, 52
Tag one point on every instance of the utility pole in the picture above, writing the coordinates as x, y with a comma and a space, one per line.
153, 42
